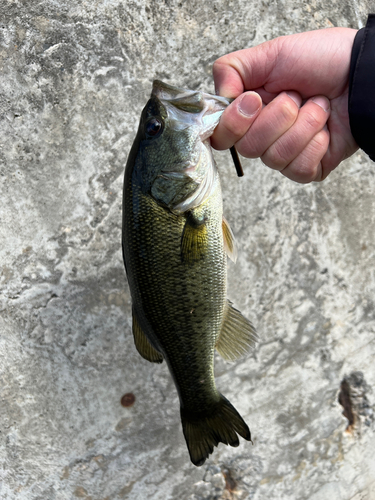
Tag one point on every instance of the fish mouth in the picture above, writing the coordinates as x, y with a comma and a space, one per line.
190, 108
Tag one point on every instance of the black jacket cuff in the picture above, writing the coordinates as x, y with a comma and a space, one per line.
362, 88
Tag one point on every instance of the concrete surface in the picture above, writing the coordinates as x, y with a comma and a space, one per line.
74, 78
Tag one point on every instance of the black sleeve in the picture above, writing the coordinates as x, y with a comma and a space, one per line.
362, 88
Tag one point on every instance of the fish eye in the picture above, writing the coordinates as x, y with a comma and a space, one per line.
154, 126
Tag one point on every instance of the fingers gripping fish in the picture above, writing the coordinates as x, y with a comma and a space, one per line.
175, 241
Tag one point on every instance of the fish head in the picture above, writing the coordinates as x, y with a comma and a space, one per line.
196, 112
175, 163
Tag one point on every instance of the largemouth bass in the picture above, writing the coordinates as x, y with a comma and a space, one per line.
175, 242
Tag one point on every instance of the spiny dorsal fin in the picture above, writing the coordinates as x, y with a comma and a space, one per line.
143, 345
237, 335
229, 241
194, 239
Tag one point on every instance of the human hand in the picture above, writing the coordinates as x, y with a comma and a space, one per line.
295, 117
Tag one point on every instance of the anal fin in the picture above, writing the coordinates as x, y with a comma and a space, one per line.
143, 345
237, 335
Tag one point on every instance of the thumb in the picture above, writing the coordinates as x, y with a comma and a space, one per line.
246, 69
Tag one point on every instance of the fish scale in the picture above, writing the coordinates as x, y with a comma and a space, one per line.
168, 292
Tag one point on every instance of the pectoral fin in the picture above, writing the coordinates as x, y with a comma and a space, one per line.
229, 241
143, 345
194, 239
237, 335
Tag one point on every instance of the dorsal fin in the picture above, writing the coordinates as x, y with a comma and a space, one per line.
229, 241
142, 343
237, 335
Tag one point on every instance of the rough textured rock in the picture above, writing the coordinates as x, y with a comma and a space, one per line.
74, 78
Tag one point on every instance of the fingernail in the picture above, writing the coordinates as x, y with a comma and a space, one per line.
295, 97
249, 104
321, 101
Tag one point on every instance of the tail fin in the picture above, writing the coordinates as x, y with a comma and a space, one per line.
203, 432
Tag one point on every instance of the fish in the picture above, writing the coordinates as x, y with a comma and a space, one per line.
175, 242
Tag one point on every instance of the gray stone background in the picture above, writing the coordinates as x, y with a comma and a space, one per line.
74, 78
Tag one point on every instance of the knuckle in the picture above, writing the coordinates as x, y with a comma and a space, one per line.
248, 148
222, 61
322, 139
218, 65
282, 152
313, 120
226, 124
319, 144
230, 127
308, 167
288, 111
303, 171
277, 156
